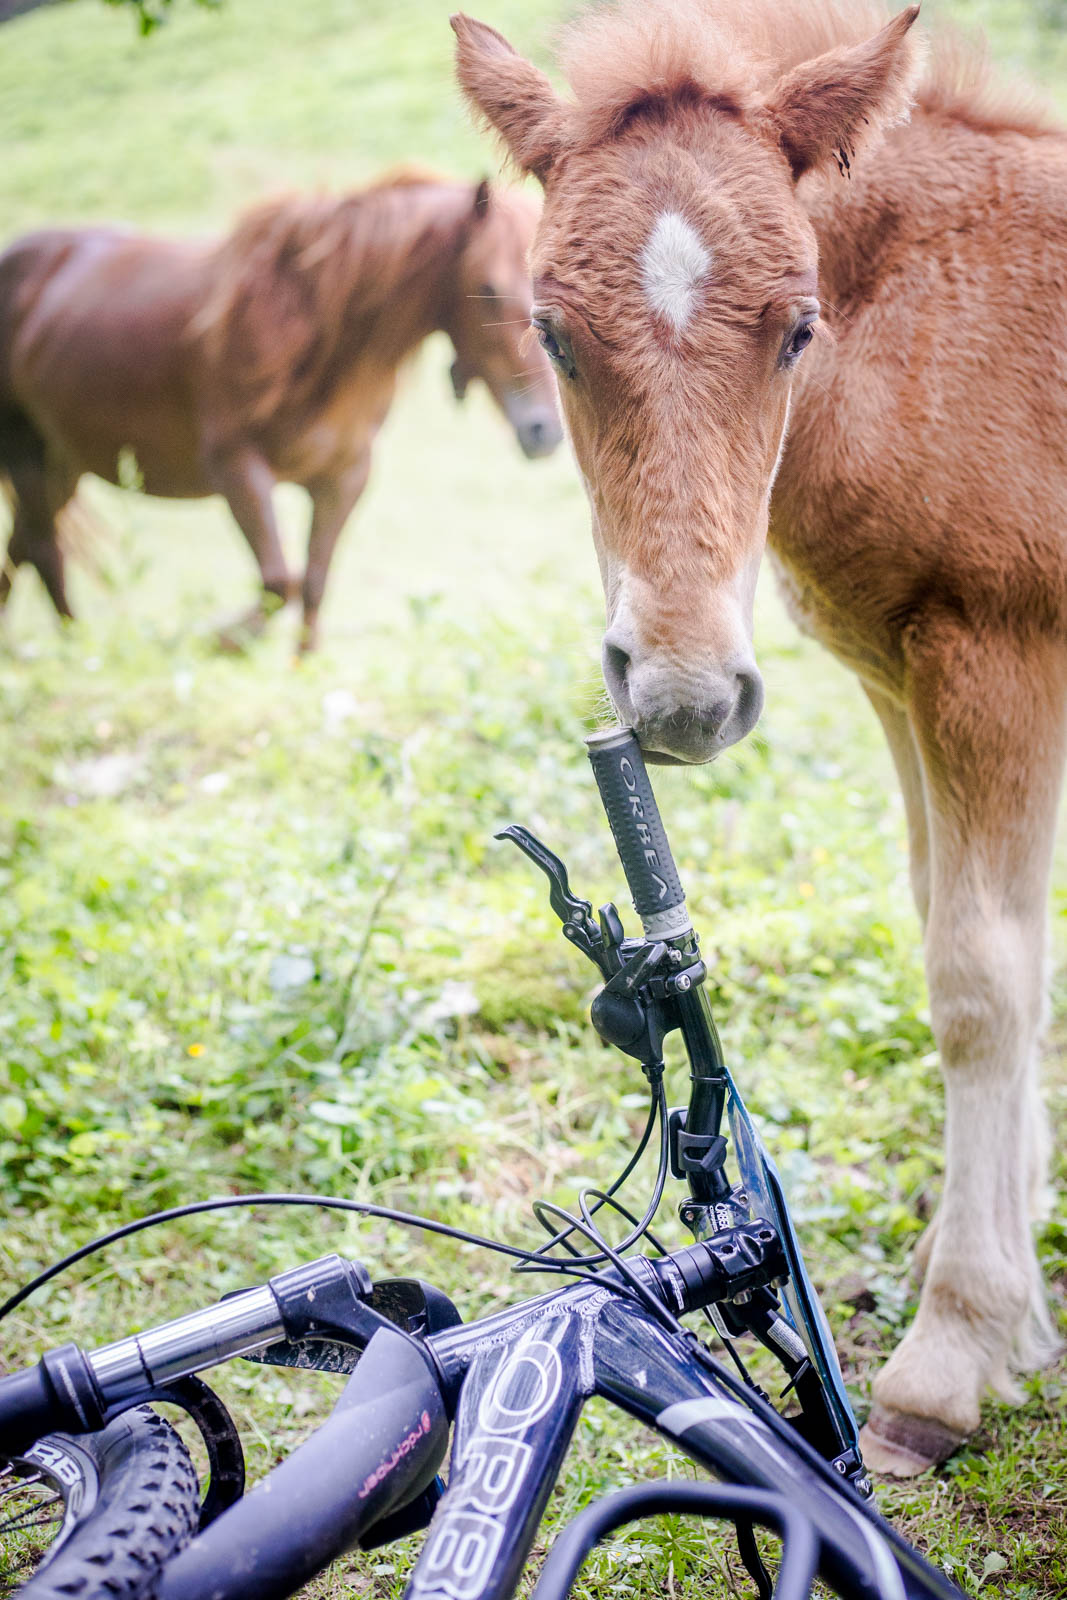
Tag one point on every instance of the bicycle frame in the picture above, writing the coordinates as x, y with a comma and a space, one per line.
514, 1383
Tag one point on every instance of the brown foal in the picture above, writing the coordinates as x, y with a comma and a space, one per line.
730, 180
226, 367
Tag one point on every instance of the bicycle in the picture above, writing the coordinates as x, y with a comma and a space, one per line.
84, 1449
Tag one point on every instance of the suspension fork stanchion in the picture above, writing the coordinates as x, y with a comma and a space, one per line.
517, 1409
379, 1449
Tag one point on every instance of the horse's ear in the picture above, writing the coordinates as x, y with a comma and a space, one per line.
481, 199
831, 105
511, 94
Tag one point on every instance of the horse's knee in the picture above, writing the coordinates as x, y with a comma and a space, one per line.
986, 992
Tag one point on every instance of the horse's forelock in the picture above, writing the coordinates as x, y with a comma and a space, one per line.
621, 60
633, 59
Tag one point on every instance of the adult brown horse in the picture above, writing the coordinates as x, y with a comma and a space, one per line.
225, 367
723, 166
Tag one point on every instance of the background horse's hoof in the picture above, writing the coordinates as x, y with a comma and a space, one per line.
902, 1446
231, 642
234, 637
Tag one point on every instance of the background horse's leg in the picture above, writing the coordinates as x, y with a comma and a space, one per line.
988, 716
332, 500
38, 496
247, 483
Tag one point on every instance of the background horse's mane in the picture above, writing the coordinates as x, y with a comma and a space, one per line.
620, 59
304, 279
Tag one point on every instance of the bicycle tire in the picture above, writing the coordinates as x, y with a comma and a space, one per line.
130, 1502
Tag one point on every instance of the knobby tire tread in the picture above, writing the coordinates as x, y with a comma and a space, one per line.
147, 1510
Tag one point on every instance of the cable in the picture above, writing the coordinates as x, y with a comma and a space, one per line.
230, 1202
629, 1288
543, 1208
650, 1122
655, 1307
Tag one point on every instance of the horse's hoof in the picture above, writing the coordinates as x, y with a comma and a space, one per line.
230, 643
902, 1446
236, 638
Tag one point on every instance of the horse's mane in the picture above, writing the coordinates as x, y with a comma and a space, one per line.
304, 279
620, 58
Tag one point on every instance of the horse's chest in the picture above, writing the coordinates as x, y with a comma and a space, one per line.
843, 568
337, 433
840, 623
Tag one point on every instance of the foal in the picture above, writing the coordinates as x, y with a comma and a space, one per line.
720, 170
269, 356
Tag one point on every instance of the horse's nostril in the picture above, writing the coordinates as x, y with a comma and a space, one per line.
616, 668
538, 436
749, 698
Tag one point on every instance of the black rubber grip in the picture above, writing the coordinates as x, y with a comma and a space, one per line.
28, 1409
59, 1394
619, 769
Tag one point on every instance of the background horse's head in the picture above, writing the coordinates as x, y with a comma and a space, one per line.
675, 292
490, 318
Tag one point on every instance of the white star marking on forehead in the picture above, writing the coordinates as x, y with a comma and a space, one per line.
673, 262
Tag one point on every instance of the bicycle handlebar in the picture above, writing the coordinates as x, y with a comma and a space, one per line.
625, 789
516, 1381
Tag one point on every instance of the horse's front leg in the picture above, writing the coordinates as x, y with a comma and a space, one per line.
332, 499
906, 759
247, 482
988, 719
905, 752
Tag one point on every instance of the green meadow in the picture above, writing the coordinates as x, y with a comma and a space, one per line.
254, 930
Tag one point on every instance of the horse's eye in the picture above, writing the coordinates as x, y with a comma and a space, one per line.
555, 348
798, 342
549, 343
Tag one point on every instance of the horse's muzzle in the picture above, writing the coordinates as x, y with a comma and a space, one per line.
690, 728
538, 434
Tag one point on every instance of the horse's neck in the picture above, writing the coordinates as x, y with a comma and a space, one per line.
857, 220
932, 177
403, 288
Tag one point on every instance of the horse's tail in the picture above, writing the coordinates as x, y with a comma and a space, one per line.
20, 442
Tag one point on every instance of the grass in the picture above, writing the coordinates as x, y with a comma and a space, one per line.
255, 932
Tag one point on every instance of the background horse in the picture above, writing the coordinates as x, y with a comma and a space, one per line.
271, 356
698, 207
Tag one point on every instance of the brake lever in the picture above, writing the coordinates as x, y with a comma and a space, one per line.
575, 914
